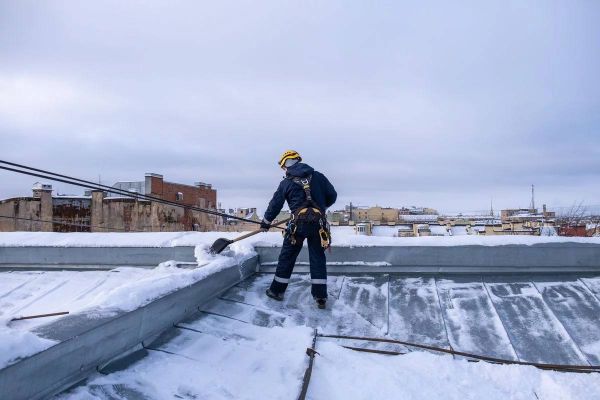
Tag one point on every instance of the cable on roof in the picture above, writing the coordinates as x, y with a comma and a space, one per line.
493, 360
53, 176
310, 352
376, 351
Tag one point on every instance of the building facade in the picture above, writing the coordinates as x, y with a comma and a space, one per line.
99, 211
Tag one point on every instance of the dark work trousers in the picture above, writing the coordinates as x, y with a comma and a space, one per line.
316, 254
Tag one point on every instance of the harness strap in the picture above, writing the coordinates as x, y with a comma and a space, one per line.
305, 184
312, 209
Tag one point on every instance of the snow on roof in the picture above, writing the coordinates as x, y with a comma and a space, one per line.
487, 221
421, 217
71, 196
127, 288
438, 230
526, 215
254, 339
459, 230
130, 186
383, 230
343, 236
466, 216
260, 345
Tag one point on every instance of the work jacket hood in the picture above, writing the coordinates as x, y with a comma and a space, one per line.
322, 191
299, 170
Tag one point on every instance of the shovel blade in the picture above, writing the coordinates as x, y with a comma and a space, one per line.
219, 245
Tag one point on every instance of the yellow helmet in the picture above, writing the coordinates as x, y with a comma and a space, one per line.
289, 155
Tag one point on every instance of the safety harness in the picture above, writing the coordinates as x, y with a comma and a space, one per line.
308, 212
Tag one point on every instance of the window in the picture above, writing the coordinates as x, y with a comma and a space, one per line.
179, 196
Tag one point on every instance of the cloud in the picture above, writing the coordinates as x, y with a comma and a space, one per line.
32, 102
433, 104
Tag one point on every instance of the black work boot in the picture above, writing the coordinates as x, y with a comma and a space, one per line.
321, 303
274, 296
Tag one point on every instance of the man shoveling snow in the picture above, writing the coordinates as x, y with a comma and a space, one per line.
308, 194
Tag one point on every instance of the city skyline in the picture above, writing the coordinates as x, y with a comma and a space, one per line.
398, 104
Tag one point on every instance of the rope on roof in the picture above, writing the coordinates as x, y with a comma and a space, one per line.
478, 357
310, 352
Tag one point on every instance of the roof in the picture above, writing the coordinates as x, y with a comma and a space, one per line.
415, 217
259, 344
242, 342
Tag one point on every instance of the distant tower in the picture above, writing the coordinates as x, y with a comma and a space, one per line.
492, 207
532, 206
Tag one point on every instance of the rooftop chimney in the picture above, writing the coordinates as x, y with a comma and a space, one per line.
39, 188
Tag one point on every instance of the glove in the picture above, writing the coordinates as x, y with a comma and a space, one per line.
264, 225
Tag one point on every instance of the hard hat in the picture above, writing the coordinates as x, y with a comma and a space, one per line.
289, 155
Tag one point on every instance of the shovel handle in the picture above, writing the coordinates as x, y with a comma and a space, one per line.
247, 235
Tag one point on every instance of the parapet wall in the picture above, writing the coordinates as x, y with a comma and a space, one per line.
543, 257
87, 341
513, 258
38, 257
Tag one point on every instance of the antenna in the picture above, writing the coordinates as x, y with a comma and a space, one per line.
532, 206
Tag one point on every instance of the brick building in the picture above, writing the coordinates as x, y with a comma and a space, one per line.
99, 211
154, 185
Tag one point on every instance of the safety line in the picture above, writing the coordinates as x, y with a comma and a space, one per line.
92, 185
556, 367
376, 351
310, 352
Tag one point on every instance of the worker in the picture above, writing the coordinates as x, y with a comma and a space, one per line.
308, 194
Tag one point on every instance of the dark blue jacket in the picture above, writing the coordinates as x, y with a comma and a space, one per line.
321, 189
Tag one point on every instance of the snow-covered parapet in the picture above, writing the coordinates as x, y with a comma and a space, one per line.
102, 294
341, 238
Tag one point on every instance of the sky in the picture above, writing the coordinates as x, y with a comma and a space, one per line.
450, 105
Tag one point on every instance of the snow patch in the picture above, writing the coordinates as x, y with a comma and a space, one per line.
344, 374
16, 344
99, 293
338, 263
254, 363
342, 237
167, 278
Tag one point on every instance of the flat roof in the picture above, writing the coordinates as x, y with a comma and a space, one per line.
243, 342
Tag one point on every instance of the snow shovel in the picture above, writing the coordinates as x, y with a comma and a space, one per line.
220, 244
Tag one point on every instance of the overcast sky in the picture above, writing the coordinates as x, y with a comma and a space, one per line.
441, 104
